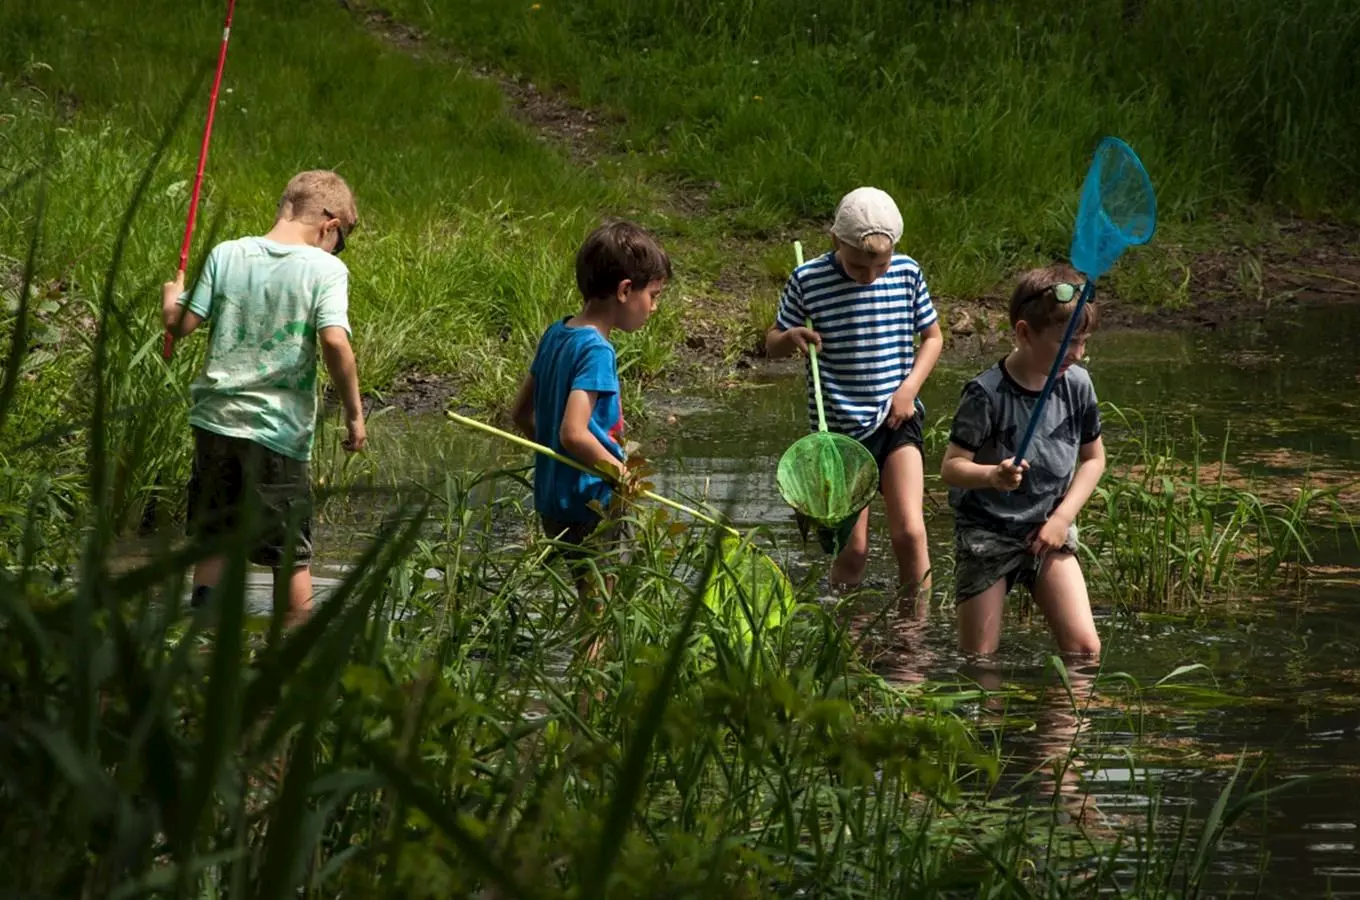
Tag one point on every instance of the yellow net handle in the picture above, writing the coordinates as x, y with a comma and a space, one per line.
568, 461
812, 353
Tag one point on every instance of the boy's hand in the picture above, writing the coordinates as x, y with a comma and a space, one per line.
1006, 475
1052, 536
800, 337
171, 291
358, 435
903, 407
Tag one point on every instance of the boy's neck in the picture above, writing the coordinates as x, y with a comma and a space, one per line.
597, 315
293, 231
1027, 371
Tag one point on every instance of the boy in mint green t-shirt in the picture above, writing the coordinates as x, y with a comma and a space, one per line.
272, 301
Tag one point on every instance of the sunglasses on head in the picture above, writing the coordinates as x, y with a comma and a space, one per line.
339, 233
1063, 292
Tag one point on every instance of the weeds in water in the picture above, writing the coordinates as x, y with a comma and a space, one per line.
423, 735
1163, 530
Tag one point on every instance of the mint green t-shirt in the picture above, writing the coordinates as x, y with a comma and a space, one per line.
265, 303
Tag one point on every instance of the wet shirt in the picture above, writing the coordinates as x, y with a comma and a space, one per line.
868, 336
993, 413
265, 303
573, 359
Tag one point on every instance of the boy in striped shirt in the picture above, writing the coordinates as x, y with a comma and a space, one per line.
868, 305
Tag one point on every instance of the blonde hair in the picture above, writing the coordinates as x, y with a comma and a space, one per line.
876, 243
316, 192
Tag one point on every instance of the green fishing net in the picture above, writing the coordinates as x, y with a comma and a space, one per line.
827, 477
746, 590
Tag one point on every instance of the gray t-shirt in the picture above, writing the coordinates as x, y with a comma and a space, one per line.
993, 414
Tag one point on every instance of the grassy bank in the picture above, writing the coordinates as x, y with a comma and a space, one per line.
978, 117
468, 224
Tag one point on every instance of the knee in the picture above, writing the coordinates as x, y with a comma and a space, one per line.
854, 557
909, 536
1082, 647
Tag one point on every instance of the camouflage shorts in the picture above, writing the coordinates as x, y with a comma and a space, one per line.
983, 557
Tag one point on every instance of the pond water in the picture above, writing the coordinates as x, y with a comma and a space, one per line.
1281, 672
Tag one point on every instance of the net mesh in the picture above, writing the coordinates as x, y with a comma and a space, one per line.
827, 477
1118, 209
745, 587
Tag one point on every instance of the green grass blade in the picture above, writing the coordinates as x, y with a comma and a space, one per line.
629, 785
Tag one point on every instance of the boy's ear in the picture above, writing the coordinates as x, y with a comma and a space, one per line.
625, 288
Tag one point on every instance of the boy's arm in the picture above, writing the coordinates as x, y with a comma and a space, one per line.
522, 409
1090, 466
958, 470
788, 333
178, 319
576, 436
904, 398
780, 342
339, 357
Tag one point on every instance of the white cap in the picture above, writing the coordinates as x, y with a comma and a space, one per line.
865, 211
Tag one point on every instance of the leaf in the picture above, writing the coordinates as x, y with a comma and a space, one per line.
1185, 670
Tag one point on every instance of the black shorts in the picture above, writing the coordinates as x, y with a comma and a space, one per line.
885, 440
231, 472
586, 539
882, 443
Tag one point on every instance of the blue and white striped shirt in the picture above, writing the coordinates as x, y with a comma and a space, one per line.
868, 336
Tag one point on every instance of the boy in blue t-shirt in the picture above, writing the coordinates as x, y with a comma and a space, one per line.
570, 399
868, 306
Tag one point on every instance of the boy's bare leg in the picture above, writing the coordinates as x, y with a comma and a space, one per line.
1060, 591
980, 620
208, 572
848, 569
299, 594
903, 497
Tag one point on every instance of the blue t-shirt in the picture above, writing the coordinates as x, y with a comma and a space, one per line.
573, 359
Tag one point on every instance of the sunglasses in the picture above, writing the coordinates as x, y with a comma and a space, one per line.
339, 233
1063, 292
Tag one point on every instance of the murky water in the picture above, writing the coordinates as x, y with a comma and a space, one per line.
1281, 674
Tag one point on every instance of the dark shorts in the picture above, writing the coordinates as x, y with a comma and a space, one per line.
587, 539
983, 557
882, 443
231, 472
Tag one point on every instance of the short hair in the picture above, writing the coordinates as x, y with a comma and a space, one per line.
1034, 303
877, 243
618, 251
316, 192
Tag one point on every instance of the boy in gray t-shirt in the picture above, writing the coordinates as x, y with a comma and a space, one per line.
1016, 523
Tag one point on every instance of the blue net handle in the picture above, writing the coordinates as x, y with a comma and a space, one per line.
1086, 293
1118, 209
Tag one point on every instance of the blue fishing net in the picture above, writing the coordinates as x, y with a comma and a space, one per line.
1118, 209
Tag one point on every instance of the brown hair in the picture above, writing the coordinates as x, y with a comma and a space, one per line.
1034, 304
316, 192
618, 251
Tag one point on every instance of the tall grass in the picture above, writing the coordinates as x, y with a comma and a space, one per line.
979, 117
468, 224
1166, 527
429, 732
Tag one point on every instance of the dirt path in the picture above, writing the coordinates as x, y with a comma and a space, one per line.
1287, 263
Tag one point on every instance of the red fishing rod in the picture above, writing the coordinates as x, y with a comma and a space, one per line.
167, 347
